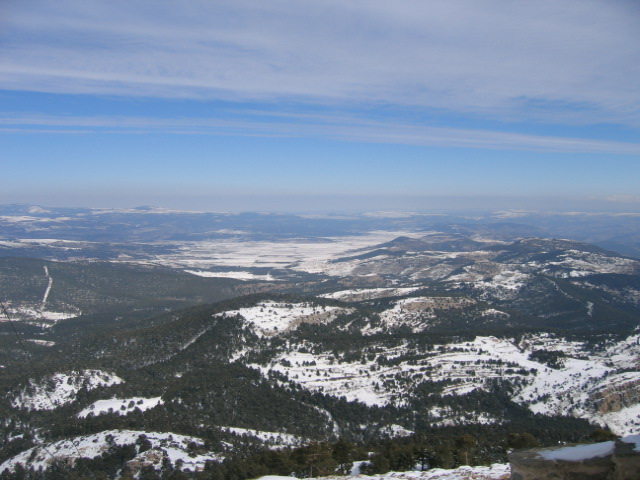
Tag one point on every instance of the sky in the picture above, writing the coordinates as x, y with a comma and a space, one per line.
321, 105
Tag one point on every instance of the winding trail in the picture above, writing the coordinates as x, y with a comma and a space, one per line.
48, 290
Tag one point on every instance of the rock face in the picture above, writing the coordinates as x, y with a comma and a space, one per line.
617, 396
531, 465
626, 461
619, 460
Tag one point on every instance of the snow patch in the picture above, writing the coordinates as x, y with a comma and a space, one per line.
579, 452
625, 421
270, 318
35, 314
243, 275
490, 312
274, 439
359, 294
395, 431
120, 406
44, 343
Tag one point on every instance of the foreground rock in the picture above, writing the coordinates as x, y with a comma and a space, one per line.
613, 460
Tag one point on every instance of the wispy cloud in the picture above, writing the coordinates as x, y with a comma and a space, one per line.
351, 129
573, 62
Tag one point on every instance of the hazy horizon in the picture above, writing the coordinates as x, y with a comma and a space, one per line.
336, 205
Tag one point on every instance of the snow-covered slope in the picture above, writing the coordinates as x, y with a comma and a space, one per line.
416, 312
173, 446
270, 318
574, 388
61, 389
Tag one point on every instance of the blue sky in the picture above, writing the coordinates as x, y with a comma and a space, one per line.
321, 105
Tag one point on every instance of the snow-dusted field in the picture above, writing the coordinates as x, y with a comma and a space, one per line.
309, 255
274, 440
37, 315
120, 406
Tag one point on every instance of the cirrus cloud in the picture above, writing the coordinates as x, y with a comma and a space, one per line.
552, 61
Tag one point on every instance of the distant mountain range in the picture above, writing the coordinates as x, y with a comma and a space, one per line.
617, 231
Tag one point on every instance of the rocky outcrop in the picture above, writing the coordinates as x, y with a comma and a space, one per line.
620, 393
537, 465
614, 460
150, 458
